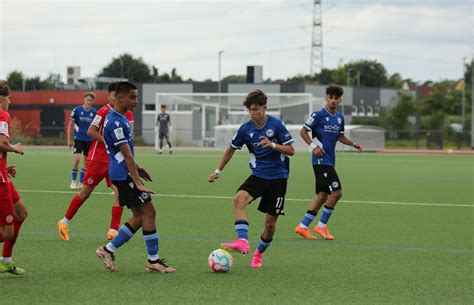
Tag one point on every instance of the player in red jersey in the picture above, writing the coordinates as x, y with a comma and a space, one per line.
97, 169
12, 209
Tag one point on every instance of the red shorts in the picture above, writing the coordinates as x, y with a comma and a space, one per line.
6, 204
15, 196
95, 172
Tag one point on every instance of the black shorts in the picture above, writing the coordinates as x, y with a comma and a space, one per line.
129, 195
163, 135
327, 180
272, 191
81, 147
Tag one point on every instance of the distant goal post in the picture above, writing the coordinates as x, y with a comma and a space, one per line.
194, 116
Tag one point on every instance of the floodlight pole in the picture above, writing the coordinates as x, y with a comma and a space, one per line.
463, 92
472, 101
219, 81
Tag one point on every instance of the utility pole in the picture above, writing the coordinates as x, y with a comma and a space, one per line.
316, 64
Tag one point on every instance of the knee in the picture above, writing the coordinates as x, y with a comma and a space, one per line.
8, 235
337, 194
238, 202
22, 215
270, 225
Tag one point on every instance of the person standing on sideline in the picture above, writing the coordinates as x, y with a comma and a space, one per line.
163, 123
269, 144
125, 175
12, 209
81, 118
326, 127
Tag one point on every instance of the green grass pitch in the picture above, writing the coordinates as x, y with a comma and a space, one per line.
404, 234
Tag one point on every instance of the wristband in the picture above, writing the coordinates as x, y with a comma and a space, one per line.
313, 146
217, 171
273, 145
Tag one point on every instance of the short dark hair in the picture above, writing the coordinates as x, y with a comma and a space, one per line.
112, 87
163, 106
124, 87
4, 89
334, 90
255, 97
91, 94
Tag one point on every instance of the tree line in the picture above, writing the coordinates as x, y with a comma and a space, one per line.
440, 107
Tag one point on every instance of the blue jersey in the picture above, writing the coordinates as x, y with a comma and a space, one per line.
82, 118
265, 163
325, 128
117, 132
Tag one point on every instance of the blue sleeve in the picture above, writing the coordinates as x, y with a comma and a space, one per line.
312, 121
73, 116
341, 131
238, 140
284, 136
118, 134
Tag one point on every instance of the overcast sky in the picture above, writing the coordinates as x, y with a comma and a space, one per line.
421, 40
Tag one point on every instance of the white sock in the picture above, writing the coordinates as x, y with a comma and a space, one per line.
321, 225
7, 260
65, 221
110, 247
112, 230
302, 225
153, 258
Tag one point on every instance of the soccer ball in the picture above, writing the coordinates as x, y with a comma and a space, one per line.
220, 260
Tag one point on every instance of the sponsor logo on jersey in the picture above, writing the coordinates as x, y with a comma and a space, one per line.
119, 133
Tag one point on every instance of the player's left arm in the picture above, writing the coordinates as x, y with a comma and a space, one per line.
94, 133
5, 146
345, 140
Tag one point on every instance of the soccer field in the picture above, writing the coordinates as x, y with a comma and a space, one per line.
403, 234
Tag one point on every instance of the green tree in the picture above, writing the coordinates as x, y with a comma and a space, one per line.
126, 66
234, 79
15, 80
394, 81
399, 113
370, 72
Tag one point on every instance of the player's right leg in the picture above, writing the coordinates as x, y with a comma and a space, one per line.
116, 217
6, 216
241, 244
95, 172
303, 227
20, 214
75, 169
321, 228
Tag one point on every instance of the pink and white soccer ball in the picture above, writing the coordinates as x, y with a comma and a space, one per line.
220, 260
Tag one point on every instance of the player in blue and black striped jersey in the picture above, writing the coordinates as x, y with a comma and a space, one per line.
269, 144
80, 120
326, 127
125, 175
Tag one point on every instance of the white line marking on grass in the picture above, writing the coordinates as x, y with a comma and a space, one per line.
290, 199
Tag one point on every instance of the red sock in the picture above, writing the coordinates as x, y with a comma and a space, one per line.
74, 206
9, 244
1, 237
116, 217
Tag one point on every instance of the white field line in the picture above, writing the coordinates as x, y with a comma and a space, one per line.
289, 199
